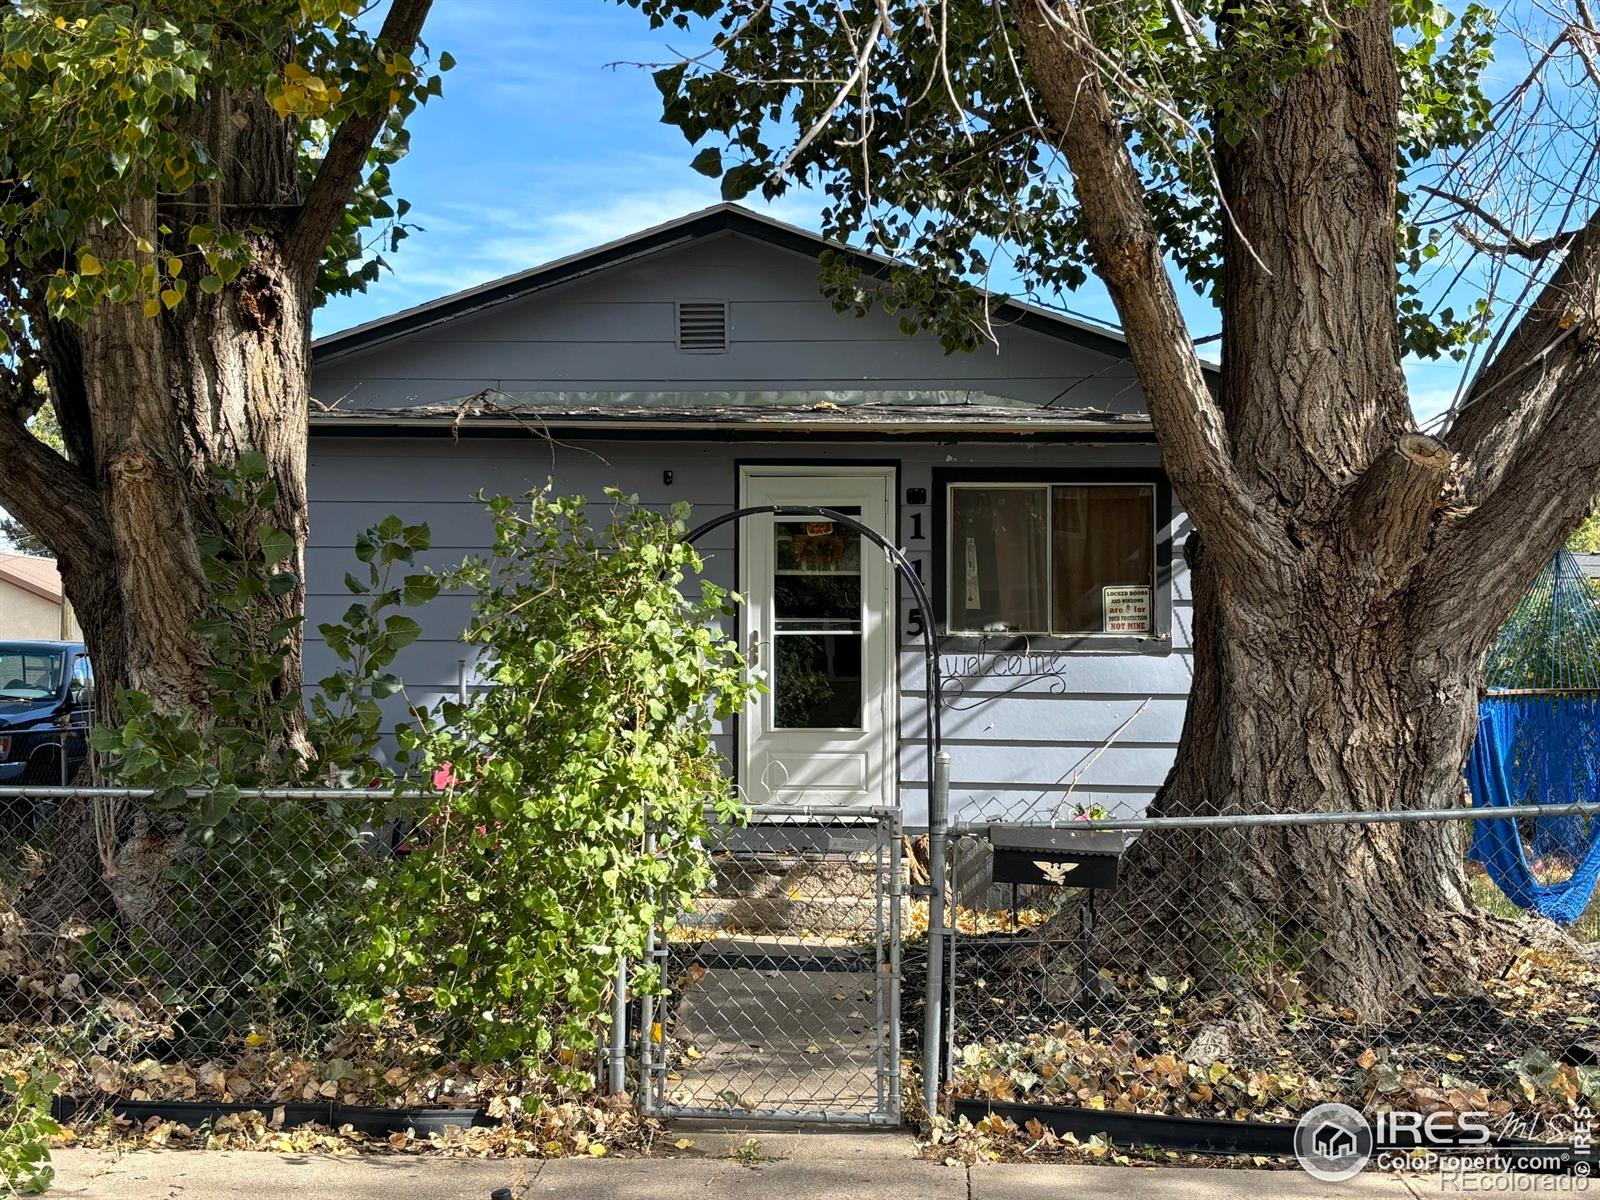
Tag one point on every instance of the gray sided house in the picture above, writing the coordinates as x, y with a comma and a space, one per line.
697, 362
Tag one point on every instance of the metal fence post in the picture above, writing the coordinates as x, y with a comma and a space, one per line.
647, 1005
618, 1081
933, 1012
890, 827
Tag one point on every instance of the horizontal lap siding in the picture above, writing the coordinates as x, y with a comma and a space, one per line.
1019, 740
1027, 735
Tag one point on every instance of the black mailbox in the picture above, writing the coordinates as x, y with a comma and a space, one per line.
1056, 855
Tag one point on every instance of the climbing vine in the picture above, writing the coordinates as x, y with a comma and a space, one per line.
527, 873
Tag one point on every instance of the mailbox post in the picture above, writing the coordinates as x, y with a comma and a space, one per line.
1060, 856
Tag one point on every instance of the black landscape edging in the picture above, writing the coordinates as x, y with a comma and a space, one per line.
375, 1121
1191, 1135
1215, 1135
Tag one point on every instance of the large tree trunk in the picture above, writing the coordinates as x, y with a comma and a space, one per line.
1312, 701
152, 403
173, 400
152, 408
1353, 569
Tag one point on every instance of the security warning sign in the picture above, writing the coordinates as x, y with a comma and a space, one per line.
1127, 609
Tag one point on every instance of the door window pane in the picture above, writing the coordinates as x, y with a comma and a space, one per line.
818, 601
816, 682
998, 560
817, 625
1103, 538
816, 547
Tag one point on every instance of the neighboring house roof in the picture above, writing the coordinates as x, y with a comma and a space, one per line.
719, 218
32, 574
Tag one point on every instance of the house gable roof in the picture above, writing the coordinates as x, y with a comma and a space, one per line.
720, 218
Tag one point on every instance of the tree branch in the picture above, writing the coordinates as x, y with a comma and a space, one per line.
341, 167
1515, 243
1188, 423
1532, 461
1488, 557
61, 351
50, 495
1510, 399
1540, 248
1393, 504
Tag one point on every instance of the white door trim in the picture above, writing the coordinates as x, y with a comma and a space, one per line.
857, 767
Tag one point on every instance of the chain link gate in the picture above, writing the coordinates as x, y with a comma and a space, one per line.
781, 984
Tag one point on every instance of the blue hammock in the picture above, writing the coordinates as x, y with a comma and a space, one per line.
1538, 742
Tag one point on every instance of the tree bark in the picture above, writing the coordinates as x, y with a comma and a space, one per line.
1312, 704
1353, 569
171, 400
150, 408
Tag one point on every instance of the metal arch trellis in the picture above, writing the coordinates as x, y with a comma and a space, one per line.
939, 791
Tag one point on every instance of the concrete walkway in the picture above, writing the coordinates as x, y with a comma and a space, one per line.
803, 1040
816, 1166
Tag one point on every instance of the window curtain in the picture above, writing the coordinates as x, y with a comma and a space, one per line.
999, 554
1102, 539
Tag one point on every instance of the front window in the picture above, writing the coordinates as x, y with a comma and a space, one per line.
30, 672
1052, 559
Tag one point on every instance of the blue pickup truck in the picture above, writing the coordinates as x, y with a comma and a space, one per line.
46, 709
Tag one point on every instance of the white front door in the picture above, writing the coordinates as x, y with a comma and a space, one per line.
817, 623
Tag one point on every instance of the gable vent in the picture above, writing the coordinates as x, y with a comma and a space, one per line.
703, 326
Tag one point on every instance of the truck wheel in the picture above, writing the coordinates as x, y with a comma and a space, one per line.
17, 818
44, 769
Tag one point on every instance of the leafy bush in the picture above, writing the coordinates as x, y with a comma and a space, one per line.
524, 877
528, 875
25, 1132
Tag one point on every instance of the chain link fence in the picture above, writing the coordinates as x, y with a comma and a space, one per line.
1189, 982
209, 970
782, 981
212, 970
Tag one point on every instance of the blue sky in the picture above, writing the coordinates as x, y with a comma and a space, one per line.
539, 148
